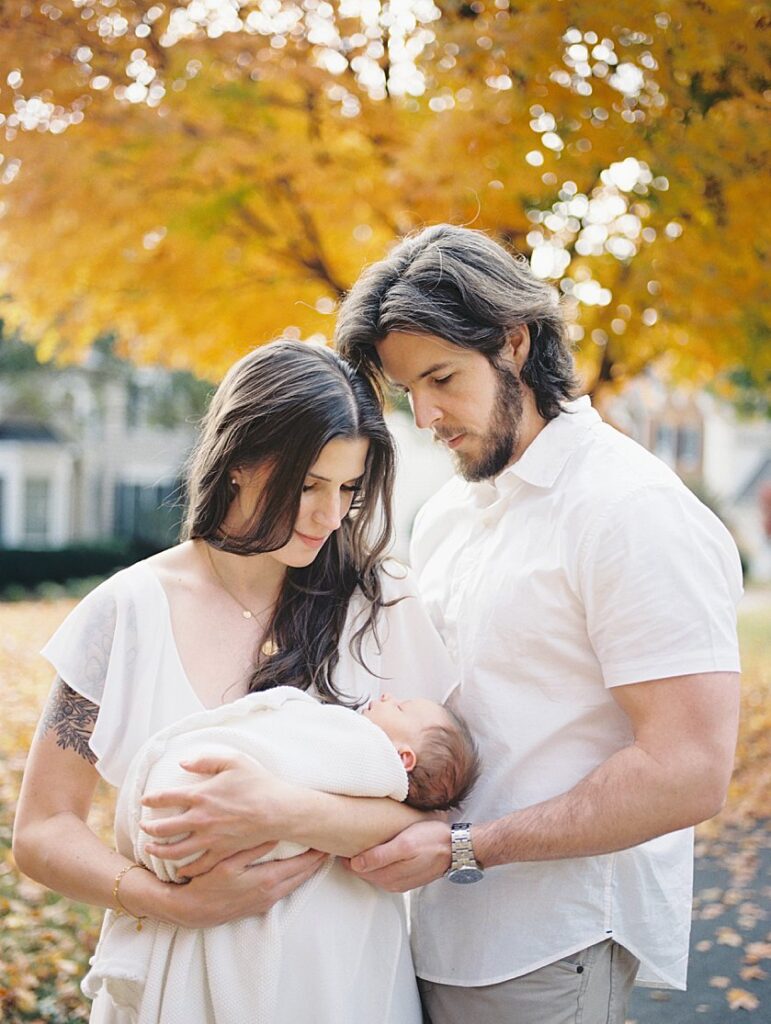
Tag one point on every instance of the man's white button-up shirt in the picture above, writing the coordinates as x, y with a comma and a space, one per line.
585, 565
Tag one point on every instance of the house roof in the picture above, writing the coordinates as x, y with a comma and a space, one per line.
28, 431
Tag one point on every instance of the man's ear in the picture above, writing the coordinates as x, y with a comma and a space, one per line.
408, 756
516, 348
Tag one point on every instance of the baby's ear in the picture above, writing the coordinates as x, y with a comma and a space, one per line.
408, 756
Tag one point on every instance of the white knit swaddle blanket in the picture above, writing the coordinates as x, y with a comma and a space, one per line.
170, 975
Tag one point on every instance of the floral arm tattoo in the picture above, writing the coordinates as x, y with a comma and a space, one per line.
72, 719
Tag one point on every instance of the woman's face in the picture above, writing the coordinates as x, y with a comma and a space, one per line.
329, 489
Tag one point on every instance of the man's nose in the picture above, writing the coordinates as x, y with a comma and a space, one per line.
425, 411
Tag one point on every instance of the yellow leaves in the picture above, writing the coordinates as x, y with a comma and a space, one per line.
757, 951
728, 937
740, 999
273, 197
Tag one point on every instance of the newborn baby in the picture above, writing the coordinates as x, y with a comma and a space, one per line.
411, 750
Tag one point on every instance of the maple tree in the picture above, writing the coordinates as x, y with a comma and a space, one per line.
199, 176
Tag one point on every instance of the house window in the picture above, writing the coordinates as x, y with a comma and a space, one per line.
150, 514
37, 494
665, 443
688, 448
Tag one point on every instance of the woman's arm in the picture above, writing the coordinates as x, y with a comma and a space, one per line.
53, 844
241, 805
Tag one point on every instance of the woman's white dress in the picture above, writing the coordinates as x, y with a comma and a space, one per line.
347, 959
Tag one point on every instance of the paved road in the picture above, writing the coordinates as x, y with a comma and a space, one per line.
731, 933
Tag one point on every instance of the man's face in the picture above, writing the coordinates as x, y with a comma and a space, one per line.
473, 407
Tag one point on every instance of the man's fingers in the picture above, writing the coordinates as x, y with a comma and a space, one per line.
376, 858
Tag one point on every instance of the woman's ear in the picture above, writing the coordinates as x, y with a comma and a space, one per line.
408, 756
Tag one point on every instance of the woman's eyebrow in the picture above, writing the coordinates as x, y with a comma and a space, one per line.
354, 480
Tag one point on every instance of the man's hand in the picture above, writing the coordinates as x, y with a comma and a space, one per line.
239, 806
415, 857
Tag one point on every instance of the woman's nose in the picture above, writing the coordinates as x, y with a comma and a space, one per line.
330, 514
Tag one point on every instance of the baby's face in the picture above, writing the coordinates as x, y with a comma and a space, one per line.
405, 721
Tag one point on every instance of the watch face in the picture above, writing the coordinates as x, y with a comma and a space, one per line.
464, 875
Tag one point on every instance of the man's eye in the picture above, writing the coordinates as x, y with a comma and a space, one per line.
443, 380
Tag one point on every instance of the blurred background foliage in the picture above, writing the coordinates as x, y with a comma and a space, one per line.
199, 176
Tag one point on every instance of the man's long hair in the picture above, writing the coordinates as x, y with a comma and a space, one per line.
462, 286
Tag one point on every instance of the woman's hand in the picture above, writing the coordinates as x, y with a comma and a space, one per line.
233, 890
239, 807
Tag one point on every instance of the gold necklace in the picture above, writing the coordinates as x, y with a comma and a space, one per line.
268, 648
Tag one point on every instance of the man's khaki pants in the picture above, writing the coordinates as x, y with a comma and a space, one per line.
589, 987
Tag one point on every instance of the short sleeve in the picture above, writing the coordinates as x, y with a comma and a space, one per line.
80, 648
413, 659
660, 579
95, 651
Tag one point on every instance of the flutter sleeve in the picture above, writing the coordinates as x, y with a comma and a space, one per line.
406, 655
93, 652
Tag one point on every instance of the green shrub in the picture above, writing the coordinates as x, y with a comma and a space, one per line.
46, 571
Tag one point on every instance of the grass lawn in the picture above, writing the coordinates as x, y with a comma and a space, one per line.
45, 940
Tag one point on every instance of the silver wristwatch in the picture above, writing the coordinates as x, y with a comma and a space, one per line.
463, 866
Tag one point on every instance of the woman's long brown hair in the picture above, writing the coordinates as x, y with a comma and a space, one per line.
277, 408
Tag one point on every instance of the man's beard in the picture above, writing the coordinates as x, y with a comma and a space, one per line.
500, 440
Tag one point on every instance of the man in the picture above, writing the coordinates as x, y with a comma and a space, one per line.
589, 600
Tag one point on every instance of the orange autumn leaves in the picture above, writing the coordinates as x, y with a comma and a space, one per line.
202, 188
45, 940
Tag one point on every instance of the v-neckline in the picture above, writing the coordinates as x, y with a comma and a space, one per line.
173, 641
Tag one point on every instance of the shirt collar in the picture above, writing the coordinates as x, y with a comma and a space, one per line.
545, 457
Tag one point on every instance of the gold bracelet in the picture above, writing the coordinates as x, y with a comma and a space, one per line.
120, 908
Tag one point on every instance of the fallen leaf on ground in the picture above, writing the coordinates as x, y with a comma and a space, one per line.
741, 999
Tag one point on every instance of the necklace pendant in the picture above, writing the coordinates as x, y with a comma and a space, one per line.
246, 613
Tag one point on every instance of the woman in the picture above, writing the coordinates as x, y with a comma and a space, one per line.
279, 581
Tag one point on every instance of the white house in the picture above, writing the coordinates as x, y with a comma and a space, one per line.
82, 460
85, 456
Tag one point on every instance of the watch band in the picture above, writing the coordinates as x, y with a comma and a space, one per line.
463, 865
462, 850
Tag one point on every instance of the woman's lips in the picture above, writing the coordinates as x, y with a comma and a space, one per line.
312, 542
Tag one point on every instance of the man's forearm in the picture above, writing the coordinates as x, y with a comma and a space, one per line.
627, 800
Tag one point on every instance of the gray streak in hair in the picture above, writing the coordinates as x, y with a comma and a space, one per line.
460, 285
